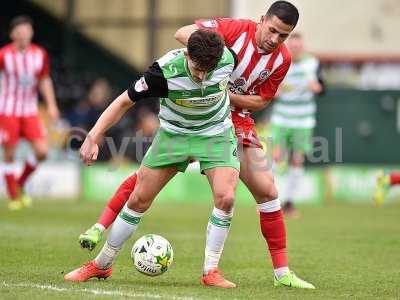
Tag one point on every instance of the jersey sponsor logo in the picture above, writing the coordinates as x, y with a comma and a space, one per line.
223, 84
264, 74
141, 85
209, 23
199, 102
26, 80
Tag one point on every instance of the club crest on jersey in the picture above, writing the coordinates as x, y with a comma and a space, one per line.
239, 81
264, 74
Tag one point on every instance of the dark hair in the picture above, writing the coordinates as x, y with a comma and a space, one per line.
285, 11
18, 20
205, 48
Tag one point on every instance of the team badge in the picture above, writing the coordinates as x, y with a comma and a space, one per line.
264, 75
241, 81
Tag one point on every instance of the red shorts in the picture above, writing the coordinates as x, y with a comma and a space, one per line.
246, 132
14, 128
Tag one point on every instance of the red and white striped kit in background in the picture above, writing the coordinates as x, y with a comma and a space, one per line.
257, 72
20, 72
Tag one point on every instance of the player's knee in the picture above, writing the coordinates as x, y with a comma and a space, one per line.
225, 200
138, 203
41, 155
269, 193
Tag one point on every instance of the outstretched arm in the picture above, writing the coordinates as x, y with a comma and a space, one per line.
249, 102
108, 118
182, 34
47, 90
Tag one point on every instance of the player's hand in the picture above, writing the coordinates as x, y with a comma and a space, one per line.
89, 151
54, 113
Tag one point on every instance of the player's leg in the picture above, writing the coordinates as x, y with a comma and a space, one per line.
299, 144
257, 176
9, 136
33, 130
13, 191
91, 237
394, 178
383, 182
295, 175
219, 162
280, 153
149, 184
223, 181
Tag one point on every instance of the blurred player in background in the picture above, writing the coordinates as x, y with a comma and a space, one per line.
293, 116
24, 68
383, 183
263, 62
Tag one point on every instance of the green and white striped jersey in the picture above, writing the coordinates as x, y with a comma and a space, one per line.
187, 106
295, 106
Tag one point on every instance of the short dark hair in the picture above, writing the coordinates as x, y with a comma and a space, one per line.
285, 11
205, 48
18, 20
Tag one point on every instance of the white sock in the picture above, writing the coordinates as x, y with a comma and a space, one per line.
280, 272
269, 206
31, 159
99, 227
294, 178
124, 225
217, 231
9, 168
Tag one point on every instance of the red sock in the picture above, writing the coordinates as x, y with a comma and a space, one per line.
28, 170
394, 178
274, 232
12, 186
117, 201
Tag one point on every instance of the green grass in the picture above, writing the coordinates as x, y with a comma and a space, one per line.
347, 251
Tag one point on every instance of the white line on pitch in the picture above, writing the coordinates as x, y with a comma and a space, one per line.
93, 291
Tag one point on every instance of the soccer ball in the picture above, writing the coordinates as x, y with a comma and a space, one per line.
152, 255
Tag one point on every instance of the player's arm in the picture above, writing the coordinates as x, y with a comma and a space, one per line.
46, 88
151, 84
113, 113
249, 102
182, 34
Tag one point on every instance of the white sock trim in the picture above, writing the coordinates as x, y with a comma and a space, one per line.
131, 212
269, 206
100, 227
280, 272
222, 214
31, 159
9, 168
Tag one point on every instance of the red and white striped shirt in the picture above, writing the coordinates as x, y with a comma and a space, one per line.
257, 72
20, 73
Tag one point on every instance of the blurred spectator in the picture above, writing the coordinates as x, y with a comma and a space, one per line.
85, 114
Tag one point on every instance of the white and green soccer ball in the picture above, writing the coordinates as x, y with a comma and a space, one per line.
152, 255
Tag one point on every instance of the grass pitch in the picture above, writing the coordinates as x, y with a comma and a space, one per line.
347, 251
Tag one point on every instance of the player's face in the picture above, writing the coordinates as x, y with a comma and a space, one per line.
22, 35
197, 73
295, 46
272, 32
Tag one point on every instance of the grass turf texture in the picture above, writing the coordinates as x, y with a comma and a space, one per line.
347, 251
